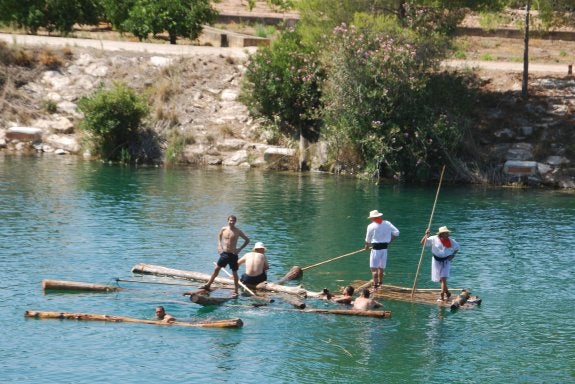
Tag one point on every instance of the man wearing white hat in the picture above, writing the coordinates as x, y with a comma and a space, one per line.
380, 233
443, 249
256, 265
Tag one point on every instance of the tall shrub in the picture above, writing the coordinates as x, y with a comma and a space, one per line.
379, 100
283, 85
113, 119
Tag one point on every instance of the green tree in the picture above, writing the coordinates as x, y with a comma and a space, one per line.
117, 12
53, 15
113, 118
320, 16
178, 18
283, 84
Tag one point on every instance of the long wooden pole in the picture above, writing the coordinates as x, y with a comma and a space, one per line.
242, 284
428, 227
296, 272
226, 323
335, 258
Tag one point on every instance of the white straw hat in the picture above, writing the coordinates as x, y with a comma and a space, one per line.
375, 213
443, 230
259, 245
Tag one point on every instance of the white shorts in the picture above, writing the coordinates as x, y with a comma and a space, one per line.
378, 258
439, 269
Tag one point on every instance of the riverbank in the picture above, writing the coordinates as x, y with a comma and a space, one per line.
198, 87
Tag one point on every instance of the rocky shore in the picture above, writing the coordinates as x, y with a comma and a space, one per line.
201, 97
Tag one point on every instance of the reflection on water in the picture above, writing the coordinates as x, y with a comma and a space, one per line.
63, 218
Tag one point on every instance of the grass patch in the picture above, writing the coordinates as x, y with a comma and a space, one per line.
176, 143
486, 57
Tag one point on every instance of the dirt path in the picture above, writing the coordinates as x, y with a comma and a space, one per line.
110, 45
239, 53
507, 66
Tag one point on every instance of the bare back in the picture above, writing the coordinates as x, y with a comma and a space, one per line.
364, 304
256, 263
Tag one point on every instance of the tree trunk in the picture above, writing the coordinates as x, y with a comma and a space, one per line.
525, 84
303, 152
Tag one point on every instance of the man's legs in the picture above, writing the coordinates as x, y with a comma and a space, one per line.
236, 283
212, 278
375, 277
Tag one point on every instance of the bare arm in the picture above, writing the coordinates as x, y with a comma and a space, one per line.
246, 241
242, 260
424, 238
220, 247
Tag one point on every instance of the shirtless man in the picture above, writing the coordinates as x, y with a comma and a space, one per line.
345, 298
256, 265
364, 302
162, 315
228, 250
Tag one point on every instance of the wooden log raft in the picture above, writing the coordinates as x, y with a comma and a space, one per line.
64, 285
420, 295
226, 323
191, 275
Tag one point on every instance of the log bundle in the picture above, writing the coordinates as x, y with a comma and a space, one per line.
226, 323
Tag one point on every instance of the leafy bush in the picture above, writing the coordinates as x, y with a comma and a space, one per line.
283, 85
383, 97
113, 119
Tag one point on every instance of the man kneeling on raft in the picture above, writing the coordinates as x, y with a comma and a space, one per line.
256, 265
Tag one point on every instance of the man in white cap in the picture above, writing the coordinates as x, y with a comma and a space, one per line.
443, 249
380, 233
256, 265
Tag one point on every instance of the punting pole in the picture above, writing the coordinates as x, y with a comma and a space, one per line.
242, 284
429, 227
297, 272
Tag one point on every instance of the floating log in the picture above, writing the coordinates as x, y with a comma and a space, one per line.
63, 285
298, 290
294, 273
226, 323
348, 312
295, 301
191, 275
351, 312
207, 300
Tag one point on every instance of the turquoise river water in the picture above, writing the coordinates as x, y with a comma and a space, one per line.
67, 219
